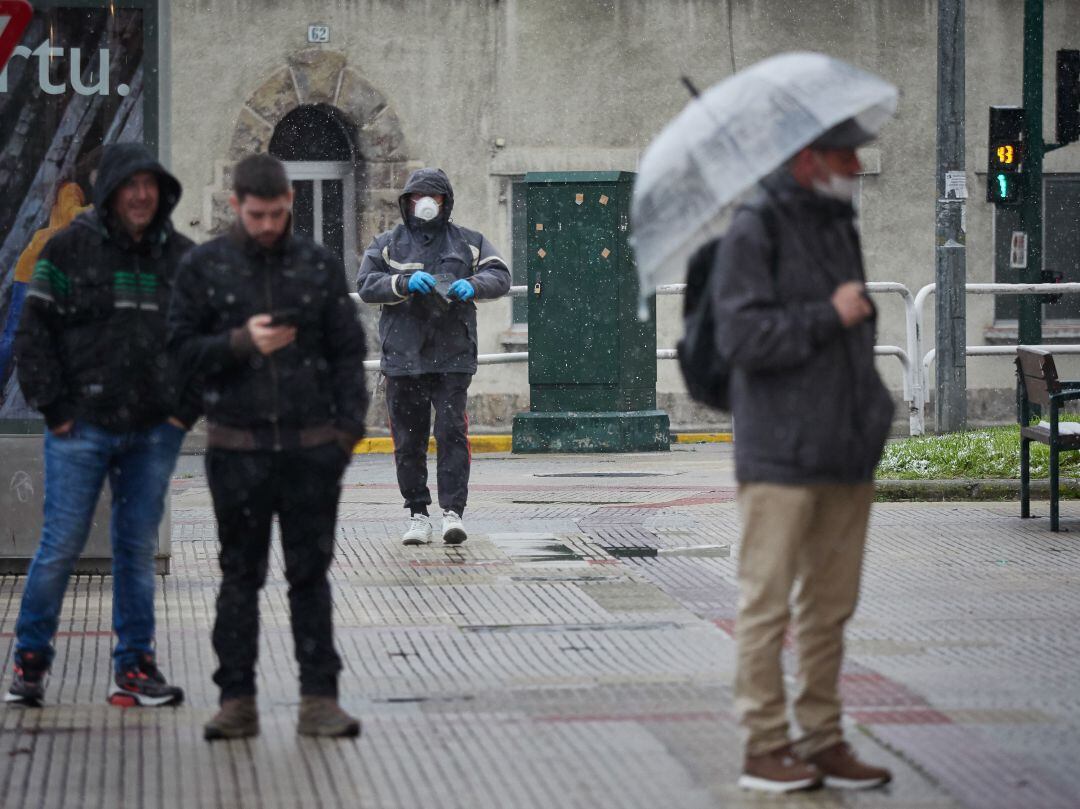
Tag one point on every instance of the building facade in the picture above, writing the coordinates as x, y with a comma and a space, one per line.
354, 94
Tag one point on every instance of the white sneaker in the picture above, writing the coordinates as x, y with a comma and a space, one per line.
418, 532
453, 532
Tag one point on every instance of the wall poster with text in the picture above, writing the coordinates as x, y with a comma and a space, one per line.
84, 74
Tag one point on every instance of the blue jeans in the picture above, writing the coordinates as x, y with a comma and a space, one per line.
139, 465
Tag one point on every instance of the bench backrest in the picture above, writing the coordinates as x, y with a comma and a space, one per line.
1037, 373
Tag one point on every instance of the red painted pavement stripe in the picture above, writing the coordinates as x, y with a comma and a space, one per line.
692, 716
900, 717
90, 633
718, 496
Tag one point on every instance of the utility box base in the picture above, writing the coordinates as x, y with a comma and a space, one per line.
22, 469
637, 431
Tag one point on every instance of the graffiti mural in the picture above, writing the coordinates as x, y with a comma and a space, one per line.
80, 78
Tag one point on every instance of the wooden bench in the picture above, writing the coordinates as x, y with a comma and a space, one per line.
1039, 385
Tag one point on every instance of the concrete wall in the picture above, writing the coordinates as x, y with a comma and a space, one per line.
585, 84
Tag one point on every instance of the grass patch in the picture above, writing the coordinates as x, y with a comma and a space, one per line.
990, 453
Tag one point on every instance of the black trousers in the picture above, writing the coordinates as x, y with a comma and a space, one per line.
409, 400
302, 487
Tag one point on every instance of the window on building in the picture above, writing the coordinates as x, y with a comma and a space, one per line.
1061, 241
316, 146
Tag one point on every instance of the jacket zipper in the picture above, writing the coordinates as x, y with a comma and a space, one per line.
138, 307
270, 358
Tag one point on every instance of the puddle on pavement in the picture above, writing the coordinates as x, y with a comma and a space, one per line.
630, 551
568, 579
601, 474
535, 548
560, 629
573, 502
421, 699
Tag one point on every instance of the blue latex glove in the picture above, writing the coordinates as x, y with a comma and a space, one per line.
462, 290
421, 282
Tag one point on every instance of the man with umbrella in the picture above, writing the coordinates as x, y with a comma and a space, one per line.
795, 327
794, 322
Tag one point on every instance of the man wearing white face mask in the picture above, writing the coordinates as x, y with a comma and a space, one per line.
427, 272
795, 325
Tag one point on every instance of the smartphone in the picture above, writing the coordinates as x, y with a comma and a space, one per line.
443, 282
285, 317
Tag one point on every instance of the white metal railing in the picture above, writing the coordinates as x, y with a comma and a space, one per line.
981, 351
916, 373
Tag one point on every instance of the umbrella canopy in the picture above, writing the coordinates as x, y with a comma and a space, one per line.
730, 137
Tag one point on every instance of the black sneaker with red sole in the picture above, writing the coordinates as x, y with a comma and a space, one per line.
144, 686
27, 682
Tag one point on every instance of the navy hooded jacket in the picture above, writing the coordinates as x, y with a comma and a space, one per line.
424, 334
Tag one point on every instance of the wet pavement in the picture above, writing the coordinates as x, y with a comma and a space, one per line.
576, 652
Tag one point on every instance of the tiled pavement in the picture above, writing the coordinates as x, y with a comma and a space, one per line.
548, 663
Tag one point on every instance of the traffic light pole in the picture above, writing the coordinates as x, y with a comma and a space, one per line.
1031, 208
950, 265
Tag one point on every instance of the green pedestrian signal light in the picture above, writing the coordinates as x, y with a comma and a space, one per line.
1005, 155
1005, 188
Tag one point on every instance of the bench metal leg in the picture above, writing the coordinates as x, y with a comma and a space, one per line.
1053, 489
1025, 477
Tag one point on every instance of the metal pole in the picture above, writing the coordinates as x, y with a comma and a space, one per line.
951, 252
1031, 214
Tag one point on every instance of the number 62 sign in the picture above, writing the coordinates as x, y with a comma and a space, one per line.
318, 33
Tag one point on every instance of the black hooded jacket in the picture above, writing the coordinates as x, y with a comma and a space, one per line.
91, 338
423, 334
316, 381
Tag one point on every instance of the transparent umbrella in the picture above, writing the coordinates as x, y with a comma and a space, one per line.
731, 136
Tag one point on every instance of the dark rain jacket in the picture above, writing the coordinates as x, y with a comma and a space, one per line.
422, 334
315, 382
807, 402
91, 339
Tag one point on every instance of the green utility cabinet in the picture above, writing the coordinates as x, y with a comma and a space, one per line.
592, 360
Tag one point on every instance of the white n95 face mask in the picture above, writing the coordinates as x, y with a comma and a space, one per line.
426, 209
837, 187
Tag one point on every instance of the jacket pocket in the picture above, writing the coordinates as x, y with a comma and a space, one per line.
453, 265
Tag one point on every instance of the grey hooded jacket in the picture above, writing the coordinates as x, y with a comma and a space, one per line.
422, 334
807, 401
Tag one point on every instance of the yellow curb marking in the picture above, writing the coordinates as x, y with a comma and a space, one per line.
384, 445
701, 438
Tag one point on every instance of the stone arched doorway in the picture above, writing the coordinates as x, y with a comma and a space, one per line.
320, 79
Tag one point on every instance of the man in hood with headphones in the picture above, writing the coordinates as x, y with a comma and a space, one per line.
427, 272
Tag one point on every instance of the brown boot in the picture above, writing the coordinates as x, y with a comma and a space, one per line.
843, 770
237, 718
778, 771
322, 716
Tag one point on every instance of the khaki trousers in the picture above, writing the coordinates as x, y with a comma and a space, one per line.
808, 539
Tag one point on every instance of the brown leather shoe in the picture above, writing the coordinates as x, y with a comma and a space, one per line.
843, 770
237, 719
322, 716
778, 771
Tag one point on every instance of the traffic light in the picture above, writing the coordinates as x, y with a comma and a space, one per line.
1068, 96
1006, 155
